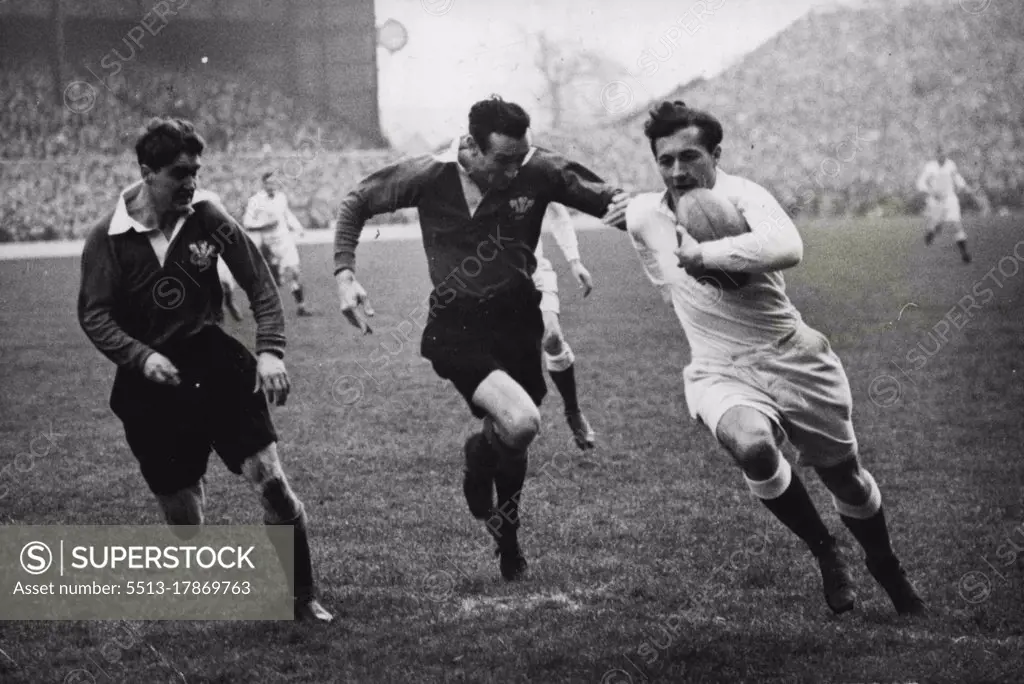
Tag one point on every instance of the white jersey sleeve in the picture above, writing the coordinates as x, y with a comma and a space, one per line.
924, 179
544, 277
290, 218
558, 221
251, 211
773, 241
719, 324
653, 245
958, 181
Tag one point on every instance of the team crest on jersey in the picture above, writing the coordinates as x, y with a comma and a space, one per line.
520, 205
202, 253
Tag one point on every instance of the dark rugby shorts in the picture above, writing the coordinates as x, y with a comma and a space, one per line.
171, 430
467, 342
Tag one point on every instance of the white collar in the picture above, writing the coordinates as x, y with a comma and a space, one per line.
122, 222
451, 154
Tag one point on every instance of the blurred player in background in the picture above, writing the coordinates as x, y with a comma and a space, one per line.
940, 180
481, 205
759, 374
558, 355
229, 285
270, 224
150, 301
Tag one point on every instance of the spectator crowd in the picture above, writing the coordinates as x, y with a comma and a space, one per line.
835, 115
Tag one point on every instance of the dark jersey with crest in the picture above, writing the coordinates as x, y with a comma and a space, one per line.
130, 303
471, 256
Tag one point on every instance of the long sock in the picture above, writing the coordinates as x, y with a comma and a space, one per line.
480, 455
872, 534
962, 244
866, 521
785, 496
509, 477
508, 483
298, 294
565, 381
298, 567
481, 460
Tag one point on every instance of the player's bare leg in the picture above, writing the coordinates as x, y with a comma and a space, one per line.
267, 252
281, 507
749, 437
498, 454
272, 262
858, 500
183, 510
291, 276
560, 363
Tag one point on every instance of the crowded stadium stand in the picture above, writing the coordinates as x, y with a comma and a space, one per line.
77, 89
835, 115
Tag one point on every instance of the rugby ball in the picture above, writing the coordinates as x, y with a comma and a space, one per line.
706, 216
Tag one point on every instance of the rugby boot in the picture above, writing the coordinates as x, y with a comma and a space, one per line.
582, 433
891, 576
836, 581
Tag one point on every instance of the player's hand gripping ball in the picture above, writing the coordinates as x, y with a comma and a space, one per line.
707, 216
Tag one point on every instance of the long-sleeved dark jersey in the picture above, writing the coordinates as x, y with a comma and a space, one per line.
130, 304
471, 256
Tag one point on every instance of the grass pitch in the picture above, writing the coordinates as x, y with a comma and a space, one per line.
650, 561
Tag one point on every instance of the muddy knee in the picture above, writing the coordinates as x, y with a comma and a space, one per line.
266, 475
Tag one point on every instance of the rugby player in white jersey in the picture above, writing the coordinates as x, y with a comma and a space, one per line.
559, 358
270, 223
229, 285
940, 180
758, 374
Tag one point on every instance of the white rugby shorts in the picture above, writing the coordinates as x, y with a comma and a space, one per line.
546, 280
282, 248
945, 210
800, 385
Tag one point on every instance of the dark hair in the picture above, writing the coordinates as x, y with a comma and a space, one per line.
267, 175
165, 139
494, 115
669, 117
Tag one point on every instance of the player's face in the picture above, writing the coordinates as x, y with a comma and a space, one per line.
270, 185
684, 162
172, 187
498, 166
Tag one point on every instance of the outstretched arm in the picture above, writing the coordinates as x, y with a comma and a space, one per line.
959, 182
394, 187
292, 219
561, 226
922, 180
578, 187
559, 223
